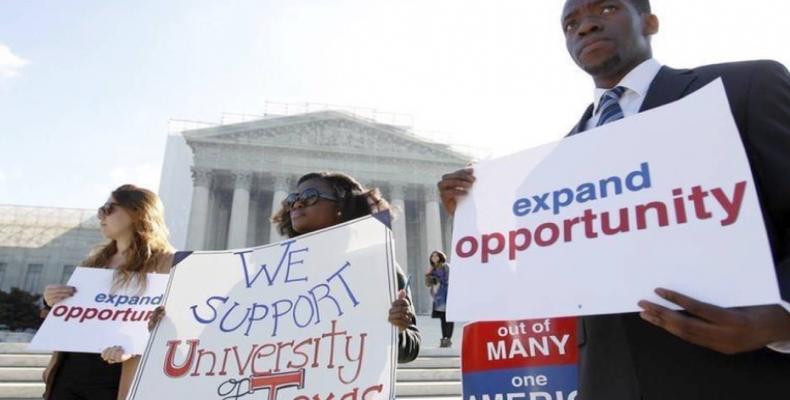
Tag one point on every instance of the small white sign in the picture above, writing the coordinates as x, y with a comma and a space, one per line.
594, 223
97, 317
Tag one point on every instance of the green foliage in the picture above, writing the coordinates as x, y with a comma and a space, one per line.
19, 310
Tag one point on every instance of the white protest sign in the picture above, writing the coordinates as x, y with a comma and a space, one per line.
297, 319
594, 223
97, 316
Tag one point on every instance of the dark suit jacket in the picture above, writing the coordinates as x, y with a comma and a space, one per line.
625, 358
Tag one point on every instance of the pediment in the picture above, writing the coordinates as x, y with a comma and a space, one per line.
326, 131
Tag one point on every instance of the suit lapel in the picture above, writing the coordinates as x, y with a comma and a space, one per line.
669, 85
579, 128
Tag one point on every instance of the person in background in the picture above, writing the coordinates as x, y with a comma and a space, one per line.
437, 280
133, 221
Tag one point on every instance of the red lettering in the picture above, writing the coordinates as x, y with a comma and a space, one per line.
526, 239
171, 369
487, 249
275, 382
60, 311
459, 247
552, 228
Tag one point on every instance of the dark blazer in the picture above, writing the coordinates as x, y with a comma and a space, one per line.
623, 357
409, 340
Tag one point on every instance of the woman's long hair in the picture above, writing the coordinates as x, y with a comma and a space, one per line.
149, 238
354, 200
442, 259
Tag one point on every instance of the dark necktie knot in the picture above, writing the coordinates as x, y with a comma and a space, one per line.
610, 109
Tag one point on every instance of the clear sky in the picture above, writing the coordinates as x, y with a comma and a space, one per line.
87, 87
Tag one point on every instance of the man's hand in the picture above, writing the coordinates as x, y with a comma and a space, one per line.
454, 186
726, 330
400, 312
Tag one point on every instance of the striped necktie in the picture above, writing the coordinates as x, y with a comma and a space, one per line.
610, 106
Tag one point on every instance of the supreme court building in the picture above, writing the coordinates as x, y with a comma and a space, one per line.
238, 174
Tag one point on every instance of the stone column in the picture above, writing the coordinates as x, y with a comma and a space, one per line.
433, 221
198, 214
240, 210
397, 198
255, 219
282, 184
218, 228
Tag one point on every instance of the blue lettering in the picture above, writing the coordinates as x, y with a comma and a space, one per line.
291, 263
555, 201
213, 310
643, 173
278, 313
345, 284
222, 322
521, 207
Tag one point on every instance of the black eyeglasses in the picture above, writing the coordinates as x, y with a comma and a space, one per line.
106, 209
308, 197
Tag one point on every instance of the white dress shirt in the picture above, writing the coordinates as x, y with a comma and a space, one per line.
637, 82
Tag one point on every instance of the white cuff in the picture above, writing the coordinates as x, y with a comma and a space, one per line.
780, 347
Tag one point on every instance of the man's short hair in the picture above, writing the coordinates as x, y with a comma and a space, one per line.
643, 6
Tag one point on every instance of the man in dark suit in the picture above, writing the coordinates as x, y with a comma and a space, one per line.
704, 352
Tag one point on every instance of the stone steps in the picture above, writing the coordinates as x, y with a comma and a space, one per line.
21, 390
422, 375
21, 374
434, 376
23, 360
432, 363
427, 389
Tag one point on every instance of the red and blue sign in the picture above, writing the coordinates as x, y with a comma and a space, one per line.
528, 359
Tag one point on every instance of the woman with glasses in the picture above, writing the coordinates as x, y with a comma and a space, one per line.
325, 199
133, 222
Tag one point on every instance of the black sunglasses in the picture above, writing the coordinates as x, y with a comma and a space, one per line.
106, 209
308, 197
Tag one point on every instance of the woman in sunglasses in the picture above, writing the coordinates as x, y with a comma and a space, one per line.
326, 199
133, 222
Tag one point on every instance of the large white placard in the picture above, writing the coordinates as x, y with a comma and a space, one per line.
594, 223
97, 316
297, 319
